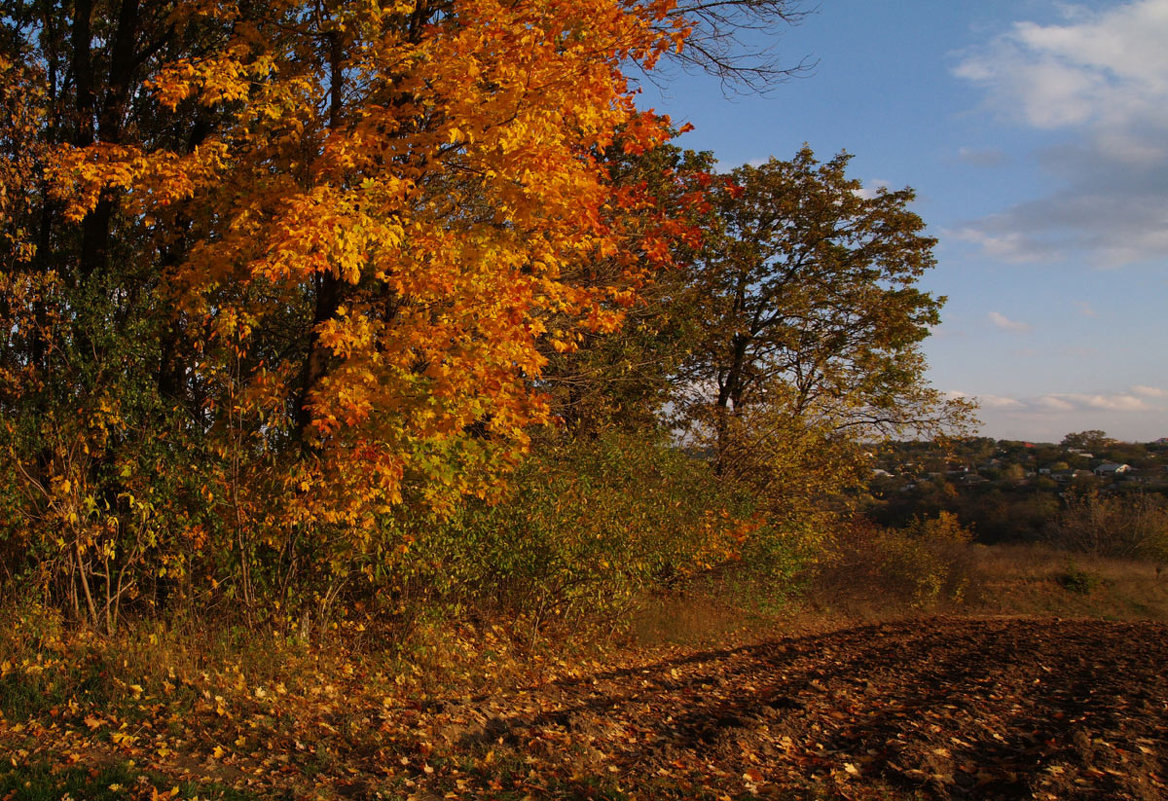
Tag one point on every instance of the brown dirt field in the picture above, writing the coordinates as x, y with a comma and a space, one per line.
935, 709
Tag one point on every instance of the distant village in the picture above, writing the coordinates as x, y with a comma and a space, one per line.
1009, 489
982, 460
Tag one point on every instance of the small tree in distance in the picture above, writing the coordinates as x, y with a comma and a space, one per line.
1091, 441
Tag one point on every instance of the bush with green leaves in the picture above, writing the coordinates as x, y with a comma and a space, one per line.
1078, 581
588, 526
922, 565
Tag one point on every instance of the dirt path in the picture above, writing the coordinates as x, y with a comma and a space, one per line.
941, 708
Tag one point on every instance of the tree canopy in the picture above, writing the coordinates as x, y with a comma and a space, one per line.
809, 301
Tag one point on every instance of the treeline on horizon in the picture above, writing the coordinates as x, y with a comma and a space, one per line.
322, 309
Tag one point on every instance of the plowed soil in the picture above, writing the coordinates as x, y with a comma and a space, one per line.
931, 709
939, 708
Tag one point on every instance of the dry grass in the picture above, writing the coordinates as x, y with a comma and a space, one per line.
711, 619
1038, 580
1013, 580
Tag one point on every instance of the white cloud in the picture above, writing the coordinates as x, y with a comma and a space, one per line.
1086, 309
1075, 401
1149, 392
987, 401
1137, 414
1079, 402
1054, 403
999, 402
1115, 403
1104, 77
1112, 402
1107, 68
1006, 324
997, 240
872, 189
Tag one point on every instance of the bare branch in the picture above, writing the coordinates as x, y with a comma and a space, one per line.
737, 41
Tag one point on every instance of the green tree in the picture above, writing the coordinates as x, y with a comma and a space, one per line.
1092, 441
1013, 473
808, 295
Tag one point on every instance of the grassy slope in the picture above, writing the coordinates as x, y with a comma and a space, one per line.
1031, 580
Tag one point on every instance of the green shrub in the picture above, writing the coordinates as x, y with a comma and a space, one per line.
587, 527
923, 565
1078, 581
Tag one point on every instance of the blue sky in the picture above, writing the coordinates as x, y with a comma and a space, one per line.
1035, 133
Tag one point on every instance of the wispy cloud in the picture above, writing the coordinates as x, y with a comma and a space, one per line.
1149, 392
1085, 309
1053, 403
1136, 399
994, 235
1006, 324
999, 402
1111, 403
982, 158
1129, 401
1127, 413
1104, 76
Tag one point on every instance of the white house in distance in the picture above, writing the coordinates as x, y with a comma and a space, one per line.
1112, 470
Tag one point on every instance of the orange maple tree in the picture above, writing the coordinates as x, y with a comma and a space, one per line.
372, 239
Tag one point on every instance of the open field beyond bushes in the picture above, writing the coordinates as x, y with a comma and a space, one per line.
1050, 680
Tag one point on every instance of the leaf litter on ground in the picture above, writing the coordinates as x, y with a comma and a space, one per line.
937, 708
